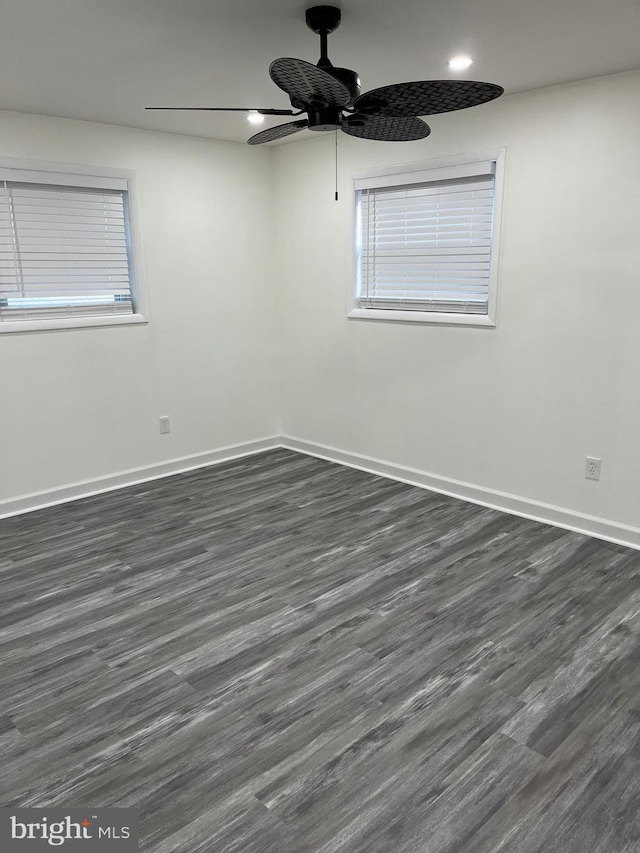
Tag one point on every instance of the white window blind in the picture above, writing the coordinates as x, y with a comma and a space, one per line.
425, 245
64, 252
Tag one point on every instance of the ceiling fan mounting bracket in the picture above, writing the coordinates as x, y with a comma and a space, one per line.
323, 19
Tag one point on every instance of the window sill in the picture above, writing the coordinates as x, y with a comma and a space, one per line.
14, 326
421, 317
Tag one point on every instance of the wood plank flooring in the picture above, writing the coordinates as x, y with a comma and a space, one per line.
282, 655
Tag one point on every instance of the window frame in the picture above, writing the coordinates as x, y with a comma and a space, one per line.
94, 177
425, 168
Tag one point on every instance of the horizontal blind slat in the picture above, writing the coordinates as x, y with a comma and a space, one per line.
428, 245
63, 251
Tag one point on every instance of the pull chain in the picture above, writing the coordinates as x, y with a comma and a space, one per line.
336, 198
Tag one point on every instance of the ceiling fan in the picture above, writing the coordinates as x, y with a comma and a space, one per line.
331, 98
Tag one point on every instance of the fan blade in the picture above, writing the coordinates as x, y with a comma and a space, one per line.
277, 132
426, 97
304, 83
263, 112
386, 128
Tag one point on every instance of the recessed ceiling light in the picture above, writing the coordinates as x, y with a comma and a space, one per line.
460, 63
254, 117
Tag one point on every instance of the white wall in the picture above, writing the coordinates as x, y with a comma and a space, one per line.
79, 405
513, 410
516, 409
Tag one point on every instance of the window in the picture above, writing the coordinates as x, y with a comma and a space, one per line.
66, 252
426, 244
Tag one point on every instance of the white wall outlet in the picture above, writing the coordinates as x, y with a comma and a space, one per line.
592, 468
165, 425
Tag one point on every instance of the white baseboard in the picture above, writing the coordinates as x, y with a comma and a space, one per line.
133, 476
601, 528
611, 531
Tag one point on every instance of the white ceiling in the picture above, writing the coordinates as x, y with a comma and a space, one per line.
105, 60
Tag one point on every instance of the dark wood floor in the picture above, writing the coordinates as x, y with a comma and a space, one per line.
280, 655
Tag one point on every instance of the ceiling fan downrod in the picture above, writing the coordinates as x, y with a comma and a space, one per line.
323, 20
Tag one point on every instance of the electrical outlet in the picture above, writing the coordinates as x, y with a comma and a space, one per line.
165, 425
592, 468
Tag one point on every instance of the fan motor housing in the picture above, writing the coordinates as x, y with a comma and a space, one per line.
346, 76
324, 118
